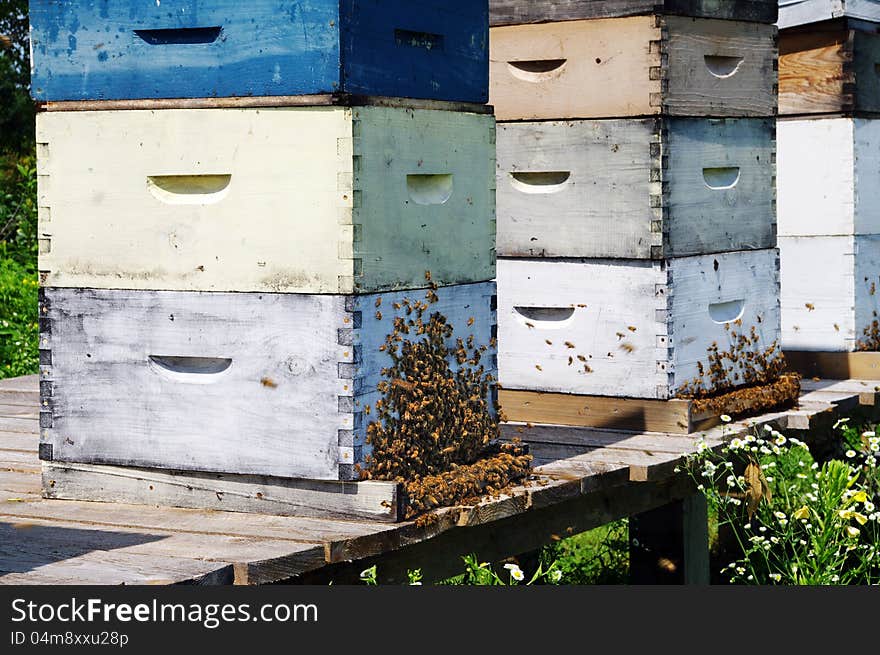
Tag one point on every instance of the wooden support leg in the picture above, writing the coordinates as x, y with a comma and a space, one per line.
670, 544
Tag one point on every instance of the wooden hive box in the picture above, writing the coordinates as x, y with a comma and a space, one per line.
635, 188
828, 170
292, 200
638, 328
829, 68
801, 12
830, 291
636, 66
248, 384
518, 12
89, 50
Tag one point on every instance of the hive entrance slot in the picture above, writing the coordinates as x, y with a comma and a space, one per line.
548, 318
429, 189
721, 178
544, 182
180, 36
188, 189
727, 312
536, 70
722, 66
197, 370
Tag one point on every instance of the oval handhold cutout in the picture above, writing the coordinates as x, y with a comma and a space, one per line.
537, 70
544, 182
548, 318
429, 189
727, 312
180, 36
722, 66
198, 370
188, 189
721, 178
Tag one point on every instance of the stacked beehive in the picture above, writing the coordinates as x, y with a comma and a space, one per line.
235, 200
636, 201
829, 167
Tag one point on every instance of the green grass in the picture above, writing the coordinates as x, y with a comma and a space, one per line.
600, 556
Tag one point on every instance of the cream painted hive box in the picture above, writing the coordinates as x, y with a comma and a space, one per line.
830, 291
828, 178
634, 66
636, 188
628, 328
287, 200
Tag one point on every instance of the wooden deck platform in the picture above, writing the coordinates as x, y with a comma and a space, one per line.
585, 478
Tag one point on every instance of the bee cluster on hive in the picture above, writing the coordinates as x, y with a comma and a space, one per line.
434, 429
745, 378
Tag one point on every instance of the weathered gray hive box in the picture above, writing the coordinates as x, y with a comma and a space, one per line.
635, 188
609, 327
516, 12
245, 383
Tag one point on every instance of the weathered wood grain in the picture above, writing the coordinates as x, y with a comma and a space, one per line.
373, 500
558, 182
836, 365
338, 199
17, 484
677, 309
88, 50
673, 65
802, 12
814, 73
516, 12
663, 442
828, 307
18, 424
23, 383
278, 381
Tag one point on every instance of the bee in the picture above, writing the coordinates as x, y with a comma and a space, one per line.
582, 358
619, 335
836, 327
569, 344
269, 382
530, 325
628, 347
570, 360
587, 368
378, 316
631, 328
548, 342
470, 321
582, 306
538, 366
810, 306
379, 301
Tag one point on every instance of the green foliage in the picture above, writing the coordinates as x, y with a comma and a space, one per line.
16, 107
19, 332
600, 556
795, 522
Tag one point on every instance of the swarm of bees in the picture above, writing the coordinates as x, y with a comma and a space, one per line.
871, 337
433, 424
745, 378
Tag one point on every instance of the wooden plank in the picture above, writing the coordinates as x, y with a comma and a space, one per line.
19, 411
21, 441
16, 460
16, 484
19, 424
810, 416
429, 209
278, 528
814, 76
618, 439
643, 465
29, 398
22, 383
714, 68
260, 102
517, 12
835, 365
866, 390
557, 181
33, 544
596, 411
387, 48
223, 492
294, 389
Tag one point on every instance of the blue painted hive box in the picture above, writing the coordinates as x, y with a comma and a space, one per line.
149, 49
